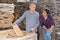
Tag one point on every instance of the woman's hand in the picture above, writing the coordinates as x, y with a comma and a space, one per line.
47, 30
44, 27
52, 28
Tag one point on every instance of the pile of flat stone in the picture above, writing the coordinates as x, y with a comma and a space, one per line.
6, 19
6, 15
11, 35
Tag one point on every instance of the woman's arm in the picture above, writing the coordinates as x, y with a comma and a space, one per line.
52, 24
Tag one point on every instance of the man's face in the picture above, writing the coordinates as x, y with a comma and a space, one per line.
32, 7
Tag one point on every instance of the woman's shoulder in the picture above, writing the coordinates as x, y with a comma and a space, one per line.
50, 16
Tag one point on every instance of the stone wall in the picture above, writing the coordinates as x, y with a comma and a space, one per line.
11, 35
6, 15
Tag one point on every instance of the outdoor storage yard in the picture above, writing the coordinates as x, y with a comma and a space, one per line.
11, 10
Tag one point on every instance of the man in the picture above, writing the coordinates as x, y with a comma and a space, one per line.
32, 18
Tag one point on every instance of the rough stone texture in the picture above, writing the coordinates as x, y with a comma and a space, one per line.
10, 35
6, 15
8, 1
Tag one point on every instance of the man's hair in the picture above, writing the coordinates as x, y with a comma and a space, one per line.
32, 4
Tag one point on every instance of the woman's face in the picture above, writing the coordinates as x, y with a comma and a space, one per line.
44, 13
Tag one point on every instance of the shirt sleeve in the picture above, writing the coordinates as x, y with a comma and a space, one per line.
52, 21
20, 18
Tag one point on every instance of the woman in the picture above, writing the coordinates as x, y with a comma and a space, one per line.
47, 24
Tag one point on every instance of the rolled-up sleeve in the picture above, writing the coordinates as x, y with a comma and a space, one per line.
20, 18
52, 22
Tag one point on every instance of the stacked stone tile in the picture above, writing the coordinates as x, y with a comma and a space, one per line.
57, 17
8, 1
6, 15
11, 35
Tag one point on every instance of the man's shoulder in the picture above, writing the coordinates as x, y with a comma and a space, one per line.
26, 12
37, 12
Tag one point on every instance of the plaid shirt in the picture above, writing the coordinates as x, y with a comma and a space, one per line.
48, 23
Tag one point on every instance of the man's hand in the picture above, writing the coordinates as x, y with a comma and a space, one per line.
33, 29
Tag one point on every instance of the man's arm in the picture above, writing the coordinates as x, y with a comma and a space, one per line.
37, 22
20, 18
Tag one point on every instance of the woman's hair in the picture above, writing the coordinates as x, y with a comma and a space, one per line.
47, 11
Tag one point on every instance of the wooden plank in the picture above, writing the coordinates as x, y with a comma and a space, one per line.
17, 30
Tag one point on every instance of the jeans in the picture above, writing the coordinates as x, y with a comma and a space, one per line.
46, 35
